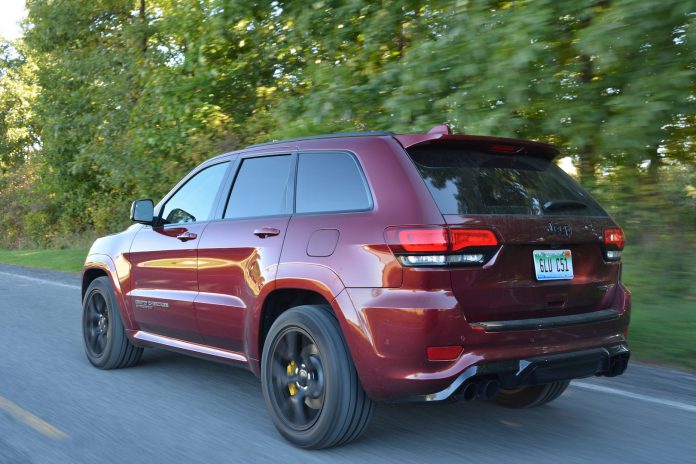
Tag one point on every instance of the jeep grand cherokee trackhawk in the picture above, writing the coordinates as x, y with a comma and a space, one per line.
352, 268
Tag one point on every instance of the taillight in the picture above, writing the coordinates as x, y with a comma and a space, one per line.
441, 246
418, 240
613, 244
462, 238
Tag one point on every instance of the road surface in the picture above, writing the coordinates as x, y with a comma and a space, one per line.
56, 408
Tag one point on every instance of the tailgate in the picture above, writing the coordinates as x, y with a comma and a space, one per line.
508, 288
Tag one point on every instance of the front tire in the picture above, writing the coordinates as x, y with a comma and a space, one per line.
106, 343
531, 397
309, 382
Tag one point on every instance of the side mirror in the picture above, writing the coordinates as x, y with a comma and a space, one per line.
143, 211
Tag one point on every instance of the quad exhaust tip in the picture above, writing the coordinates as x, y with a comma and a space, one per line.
483, 389
487, 389
617, 365
468, 392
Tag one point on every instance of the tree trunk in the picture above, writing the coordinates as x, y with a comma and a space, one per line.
588, 166
143, 22
654, 166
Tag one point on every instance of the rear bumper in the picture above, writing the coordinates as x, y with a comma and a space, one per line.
608, 361
389, 330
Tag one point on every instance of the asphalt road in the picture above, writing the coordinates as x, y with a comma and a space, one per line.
56, 408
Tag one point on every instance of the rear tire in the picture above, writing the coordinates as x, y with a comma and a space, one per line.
106, 343
531, 397
309, 382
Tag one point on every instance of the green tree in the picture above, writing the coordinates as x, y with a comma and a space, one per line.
116, 99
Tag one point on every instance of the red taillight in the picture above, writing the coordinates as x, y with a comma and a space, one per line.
444, 353
437, 239
441, 246
418, 240
614, 237
462, 238
613, 244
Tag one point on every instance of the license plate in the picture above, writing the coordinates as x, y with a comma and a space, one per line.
553, 264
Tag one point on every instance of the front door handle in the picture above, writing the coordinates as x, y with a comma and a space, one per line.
265, 232
186, 236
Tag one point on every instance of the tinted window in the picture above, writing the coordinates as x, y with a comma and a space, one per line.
194, 201
465, 181
328, 182
260, 188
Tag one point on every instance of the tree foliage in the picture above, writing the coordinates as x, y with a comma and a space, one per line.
109, 100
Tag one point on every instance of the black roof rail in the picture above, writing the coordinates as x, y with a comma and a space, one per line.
325, 136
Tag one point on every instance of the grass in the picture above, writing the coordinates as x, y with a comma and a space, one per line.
662, 282
664, 335
68, 259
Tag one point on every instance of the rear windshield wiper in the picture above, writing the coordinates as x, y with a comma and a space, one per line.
559, 205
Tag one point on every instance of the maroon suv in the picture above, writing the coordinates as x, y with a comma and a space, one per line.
352, 268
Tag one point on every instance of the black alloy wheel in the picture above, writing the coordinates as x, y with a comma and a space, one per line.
310, 385
106, 343
297, 378
96, 324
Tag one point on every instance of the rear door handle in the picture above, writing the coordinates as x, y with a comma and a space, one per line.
186, 236
265, 232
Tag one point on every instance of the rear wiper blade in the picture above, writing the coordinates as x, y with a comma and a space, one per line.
558, 205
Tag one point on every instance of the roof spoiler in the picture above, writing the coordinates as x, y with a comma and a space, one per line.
442, 134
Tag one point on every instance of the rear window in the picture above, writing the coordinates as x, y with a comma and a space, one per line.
466, 181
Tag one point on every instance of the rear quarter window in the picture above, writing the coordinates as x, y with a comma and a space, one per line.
330, 182
465, 181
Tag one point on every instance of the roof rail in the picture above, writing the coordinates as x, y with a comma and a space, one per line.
325, 136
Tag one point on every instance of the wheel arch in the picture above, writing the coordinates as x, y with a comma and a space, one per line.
355, 332
89, 275
98, 265
281, 300
297, 284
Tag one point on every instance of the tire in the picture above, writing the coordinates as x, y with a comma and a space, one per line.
309, 382
531, 397
106, 343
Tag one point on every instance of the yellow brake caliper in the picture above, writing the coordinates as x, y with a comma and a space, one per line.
292, 368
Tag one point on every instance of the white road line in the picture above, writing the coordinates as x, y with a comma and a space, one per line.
41, 281
636, 396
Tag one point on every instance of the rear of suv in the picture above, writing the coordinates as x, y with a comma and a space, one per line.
353, 268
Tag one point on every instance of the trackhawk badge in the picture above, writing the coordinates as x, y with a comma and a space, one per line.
147, 304
559, 229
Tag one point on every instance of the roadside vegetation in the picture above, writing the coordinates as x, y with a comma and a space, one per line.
103, 102
663, 321
66, 259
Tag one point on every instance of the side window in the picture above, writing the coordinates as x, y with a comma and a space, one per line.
260, 188
330, 182
194, 201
